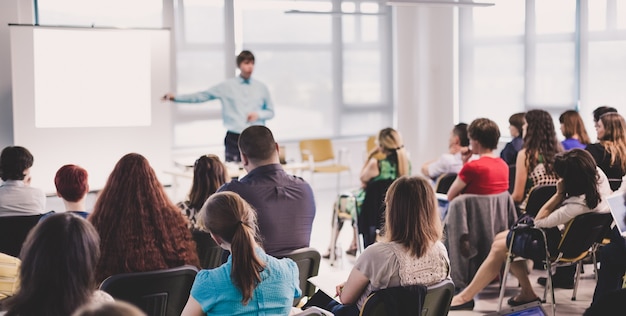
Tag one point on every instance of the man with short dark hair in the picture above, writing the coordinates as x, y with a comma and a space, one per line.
17, 197
245, 102
450, 162
284, 203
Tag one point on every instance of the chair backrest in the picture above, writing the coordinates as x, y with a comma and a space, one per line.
444, 182
537, 197
406, 300
370, 143
438, 299
511, 178
158, 293
372, 210
209, 252
581, 233
321, 149
308, 262
13, 232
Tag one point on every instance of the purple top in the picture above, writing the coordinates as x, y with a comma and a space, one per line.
284, 204
572, 143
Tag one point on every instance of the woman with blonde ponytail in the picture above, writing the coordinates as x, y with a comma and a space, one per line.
250, 282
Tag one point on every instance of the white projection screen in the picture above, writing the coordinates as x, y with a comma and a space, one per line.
88, 96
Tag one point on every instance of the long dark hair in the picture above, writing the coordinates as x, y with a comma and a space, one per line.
141, 229
540, 139
209, 173
411, 216
57, 272
578, 170
230, 217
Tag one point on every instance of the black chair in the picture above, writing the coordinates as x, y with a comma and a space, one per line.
13, 232
308, 262
537, 197
411, 300
576, 242
371, 217
444, 182
158, 293
512, 169
209, 252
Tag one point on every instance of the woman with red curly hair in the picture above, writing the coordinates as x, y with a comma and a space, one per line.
140, 228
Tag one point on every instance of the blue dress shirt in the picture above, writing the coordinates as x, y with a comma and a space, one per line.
239, 97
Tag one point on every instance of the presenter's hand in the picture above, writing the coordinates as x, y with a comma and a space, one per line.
253, 116
168, 97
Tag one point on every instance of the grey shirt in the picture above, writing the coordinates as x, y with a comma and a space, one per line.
19, 199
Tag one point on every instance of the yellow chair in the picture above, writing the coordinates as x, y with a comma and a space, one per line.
320, 155
371, 145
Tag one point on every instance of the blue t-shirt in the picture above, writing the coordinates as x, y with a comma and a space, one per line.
274, 295
572, 143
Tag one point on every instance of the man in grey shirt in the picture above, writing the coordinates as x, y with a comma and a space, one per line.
17, 197
284, 203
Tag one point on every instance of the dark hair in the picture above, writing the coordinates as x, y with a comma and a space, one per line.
540, 139
13, 161
117, 308
602, 110
141, 229
578, 170
517, 120
245, 55
57, 272
209, 173
485, 132
230, 217
411, 216
573, 125
614, 138
460, 131
257, 143
71, 182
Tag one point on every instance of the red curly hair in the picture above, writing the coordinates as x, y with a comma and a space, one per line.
140, 228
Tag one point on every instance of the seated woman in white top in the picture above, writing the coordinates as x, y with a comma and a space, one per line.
581, 189
57, 275
411, 252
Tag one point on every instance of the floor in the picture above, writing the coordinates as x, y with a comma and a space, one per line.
486, 301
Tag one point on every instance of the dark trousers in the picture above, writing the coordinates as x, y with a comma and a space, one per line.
321, 300
232, 147
612, 266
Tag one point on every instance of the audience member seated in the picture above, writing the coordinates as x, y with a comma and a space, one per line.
118, 308
534, 164
386, 162
284, 203
488, 174
410, 253
140, 228
72, 187
450, 162
610, 152
573, 128
250, 282
17, 197
57, 272
510, 150
209, 174
581, 189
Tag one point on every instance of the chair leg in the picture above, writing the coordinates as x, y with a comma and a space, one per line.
549, 285
577, 277
507, 266
334, 237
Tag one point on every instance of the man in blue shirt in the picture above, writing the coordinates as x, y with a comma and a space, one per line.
245, 102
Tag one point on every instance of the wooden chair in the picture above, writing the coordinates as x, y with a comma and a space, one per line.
320, 155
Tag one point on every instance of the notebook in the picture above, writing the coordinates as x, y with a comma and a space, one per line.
618, 210
530, 309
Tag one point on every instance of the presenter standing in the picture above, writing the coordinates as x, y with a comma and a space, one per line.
245, 102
